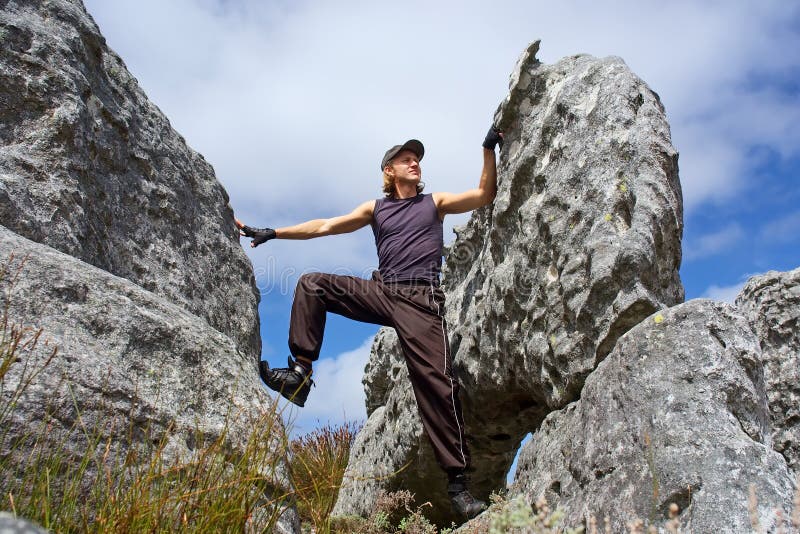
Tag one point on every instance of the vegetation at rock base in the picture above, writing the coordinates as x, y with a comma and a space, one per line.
504, 516
317, 464
141, 487
101, 487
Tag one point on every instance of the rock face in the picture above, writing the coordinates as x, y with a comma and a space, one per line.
132, 265
11, 525
581, 243
772, 304
132, 365
676, 413
90, 167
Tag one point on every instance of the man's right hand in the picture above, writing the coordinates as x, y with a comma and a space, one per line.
259, 235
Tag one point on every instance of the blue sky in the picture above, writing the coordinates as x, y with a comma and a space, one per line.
294, 103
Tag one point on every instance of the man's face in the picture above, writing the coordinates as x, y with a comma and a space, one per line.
405, 167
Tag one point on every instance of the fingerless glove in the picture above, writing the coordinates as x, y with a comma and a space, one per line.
259, 235
493, 139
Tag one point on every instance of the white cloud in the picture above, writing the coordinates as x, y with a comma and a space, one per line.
338, 395
714, 243
725, 293
783, 230
295, 103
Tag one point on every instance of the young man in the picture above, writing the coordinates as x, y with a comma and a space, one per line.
404, 293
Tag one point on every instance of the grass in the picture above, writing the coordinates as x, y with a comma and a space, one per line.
216, 490
317, 463
77, 478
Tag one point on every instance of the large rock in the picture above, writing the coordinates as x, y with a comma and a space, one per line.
676, 413
13, 525
772, 303
581, 243
90, 167
134, 367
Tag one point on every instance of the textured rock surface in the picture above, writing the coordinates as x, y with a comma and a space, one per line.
676, 413
581, 243
772, 304
90, 167
129, 362
12, 525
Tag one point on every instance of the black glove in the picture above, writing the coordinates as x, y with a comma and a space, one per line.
259, 235
493, 138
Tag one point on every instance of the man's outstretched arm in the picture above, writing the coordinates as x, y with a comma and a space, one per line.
487, 187
358, 218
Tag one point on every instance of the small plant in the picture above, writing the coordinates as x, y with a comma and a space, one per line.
516, 515
416, 523
389, 511
317, 464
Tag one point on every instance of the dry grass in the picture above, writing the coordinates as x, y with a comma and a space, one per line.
317, 465
392, 514
102, 485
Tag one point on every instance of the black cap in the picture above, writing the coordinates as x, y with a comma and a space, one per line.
412, 144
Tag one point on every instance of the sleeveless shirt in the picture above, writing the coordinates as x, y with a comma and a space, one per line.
409, 237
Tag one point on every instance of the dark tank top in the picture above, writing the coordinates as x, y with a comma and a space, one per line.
409, 237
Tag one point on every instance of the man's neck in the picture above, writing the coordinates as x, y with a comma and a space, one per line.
402, 191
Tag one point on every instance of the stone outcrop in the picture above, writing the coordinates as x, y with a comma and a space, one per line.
128, 262
581, 243
134, 367
676, 413
563, 301
90, 167
772, 304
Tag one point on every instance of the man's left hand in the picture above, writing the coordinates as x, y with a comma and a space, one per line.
493, 138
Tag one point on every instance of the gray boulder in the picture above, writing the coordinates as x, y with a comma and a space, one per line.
90, 167
132, 369
676, 413
582, 242
772, 304
13, 525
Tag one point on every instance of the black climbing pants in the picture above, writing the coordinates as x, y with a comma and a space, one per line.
416, 312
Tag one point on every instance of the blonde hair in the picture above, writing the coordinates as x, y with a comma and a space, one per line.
388, 186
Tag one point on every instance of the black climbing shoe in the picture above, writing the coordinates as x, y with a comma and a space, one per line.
293, 382
462, 500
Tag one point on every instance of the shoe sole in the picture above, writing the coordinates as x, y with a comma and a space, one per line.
292, 398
